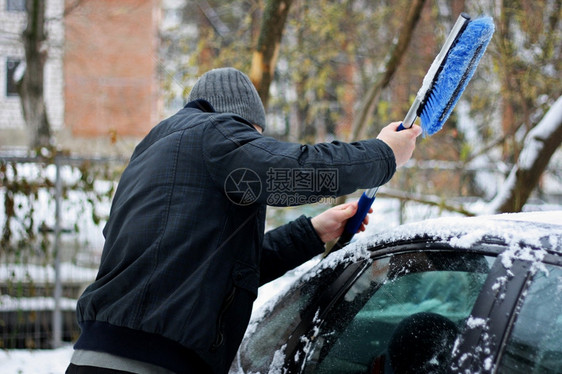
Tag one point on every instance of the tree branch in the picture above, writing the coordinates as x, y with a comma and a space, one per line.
540, 144
269, 41
371, 99
427, 200
30, 87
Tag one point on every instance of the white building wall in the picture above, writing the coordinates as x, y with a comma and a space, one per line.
54, 72
12, 24
10, 47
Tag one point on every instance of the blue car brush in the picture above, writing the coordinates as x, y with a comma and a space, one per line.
442, 87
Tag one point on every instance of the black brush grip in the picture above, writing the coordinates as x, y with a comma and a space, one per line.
344, 240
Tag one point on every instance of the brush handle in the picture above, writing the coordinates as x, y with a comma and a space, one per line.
368, 196
354, 223
411, 115
363, 206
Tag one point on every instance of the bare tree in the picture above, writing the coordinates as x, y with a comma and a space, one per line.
539, 146
267, 50
30, 86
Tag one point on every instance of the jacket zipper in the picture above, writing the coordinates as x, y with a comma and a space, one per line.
219, 338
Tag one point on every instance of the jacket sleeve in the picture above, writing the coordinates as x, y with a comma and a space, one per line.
285, 169
287, 247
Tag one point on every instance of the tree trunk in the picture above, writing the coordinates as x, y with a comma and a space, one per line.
267, 50
540, 144
371, 99
30, 87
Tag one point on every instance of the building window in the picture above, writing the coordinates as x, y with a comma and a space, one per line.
11, 67
15, 5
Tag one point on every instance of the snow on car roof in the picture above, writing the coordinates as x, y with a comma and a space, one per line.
527, 236
520, 231
514, 228
551, 217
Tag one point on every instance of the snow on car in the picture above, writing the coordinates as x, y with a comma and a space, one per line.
448, 295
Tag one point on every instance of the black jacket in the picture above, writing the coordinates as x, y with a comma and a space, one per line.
185, 249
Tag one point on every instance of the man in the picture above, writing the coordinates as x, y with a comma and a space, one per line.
185, 249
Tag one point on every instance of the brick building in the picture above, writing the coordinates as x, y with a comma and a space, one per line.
101, 87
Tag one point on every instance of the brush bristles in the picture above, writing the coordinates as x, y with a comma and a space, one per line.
458, 68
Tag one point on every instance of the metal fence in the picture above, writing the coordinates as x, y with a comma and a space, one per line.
39, 286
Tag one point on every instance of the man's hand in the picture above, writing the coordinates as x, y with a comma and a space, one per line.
402, 142
330, 224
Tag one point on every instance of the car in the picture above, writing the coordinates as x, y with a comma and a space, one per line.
446, 295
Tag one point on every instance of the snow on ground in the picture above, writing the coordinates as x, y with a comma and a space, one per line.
35, 362
69, 273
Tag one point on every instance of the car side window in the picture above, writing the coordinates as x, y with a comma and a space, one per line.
401, 315
535, 341
270, 334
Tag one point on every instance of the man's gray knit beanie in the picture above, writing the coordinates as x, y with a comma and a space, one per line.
230, 91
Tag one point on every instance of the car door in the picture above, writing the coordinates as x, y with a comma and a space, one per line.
268, 335
402, 314
418, 307
516, 324
533, 342
521, 331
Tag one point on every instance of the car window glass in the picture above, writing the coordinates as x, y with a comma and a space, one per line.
404, 309
257, 352
535, 343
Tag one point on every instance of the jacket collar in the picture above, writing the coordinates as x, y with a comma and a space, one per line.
202, 105
205, 106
